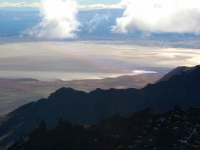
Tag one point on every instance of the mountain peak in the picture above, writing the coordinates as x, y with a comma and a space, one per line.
84, 108
176, 71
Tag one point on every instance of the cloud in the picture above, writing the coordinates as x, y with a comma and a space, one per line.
94, 22
20, 4
142, 72
160, 16
58, 20
94, 6
121, 5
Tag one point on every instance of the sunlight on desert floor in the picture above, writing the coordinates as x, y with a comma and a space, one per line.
88, 60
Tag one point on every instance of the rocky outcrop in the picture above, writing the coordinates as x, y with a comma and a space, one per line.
176, 129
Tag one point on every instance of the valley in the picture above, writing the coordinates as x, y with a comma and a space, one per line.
17, 92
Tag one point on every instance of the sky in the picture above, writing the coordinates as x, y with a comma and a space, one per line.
82, 4
86, 2
60, 21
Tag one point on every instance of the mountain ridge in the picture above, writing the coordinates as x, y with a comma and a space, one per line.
175, 129
84, 108
176, 71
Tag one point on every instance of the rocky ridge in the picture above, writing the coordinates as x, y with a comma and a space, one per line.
176, 129
83, 108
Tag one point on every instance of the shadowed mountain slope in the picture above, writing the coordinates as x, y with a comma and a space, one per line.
83, 108
176, 71
176, 129
17, 92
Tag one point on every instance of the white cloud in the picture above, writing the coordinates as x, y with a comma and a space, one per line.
142, 72
58, 20
95, 6
160, 16
121, 5
20, 4
94, 22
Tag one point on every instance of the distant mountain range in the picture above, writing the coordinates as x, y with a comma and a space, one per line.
84, 108
176, 129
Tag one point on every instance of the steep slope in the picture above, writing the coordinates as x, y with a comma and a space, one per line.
145, 130
83, 108
176, 71
17, 92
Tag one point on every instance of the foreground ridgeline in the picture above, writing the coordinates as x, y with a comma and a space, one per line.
182, 88
176, 129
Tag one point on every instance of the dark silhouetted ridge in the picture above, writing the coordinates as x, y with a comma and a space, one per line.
83, 108
176, 71
176, 129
